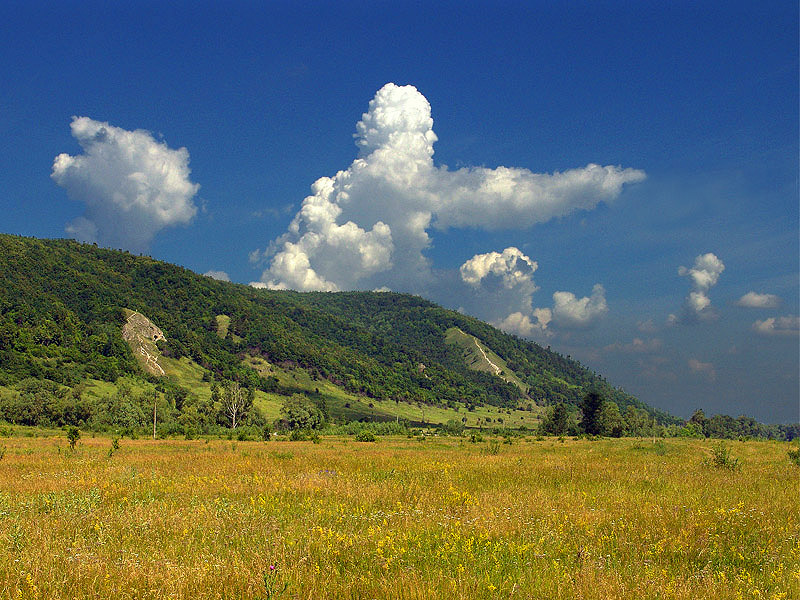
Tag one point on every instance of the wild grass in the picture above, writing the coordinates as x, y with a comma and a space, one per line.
399, 518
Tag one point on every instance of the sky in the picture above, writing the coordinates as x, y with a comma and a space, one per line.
615, 180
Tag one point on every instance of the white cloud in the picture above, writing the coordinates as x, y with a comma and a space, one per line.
511, 266
502, 280
703, 369
523, 326
637, 346
218, 275
778, 327
703, 275
756, 300
133, 186
368, 225
570, 312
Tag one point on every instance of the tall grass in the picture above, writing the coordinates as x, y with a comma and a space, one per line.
396, 519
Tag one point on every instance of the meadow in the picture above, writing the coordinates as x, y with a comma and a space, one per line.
419, 518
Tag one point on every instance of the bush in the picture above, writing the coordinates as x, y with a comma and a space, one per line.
73, 435
492, 448
721, 458
794, 456
365, 436
453, 427
114, 446
298, 435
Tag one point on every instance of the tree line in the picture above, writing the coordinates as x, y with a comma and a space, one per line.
595, 415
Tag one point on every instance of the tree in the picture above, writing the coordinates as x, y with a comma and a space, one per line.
591, 405
699, 419
556, 422
301, 413
611, 423
236, 402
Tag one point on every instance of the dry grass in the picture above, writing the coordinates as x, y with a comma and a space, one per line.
396, 519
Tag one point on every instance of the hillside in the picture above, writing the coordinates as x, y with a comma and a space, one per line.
64, 306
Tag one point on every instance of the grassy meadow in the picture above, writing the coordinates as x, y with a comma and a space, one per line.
399, 518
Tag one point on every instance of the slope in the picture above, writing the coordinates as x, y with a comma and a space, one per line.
63, 306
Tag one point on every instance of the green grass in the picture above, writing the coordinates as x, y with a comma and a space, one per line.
482, 361
223, 322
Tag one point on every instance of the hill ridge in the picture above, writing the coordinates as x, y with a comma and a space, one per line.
64, 304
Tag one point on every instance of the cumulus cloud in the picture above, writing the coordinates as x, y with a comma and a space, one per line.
369, 224
778, 327
703, 275
218, 275
570, 312
511, 266
756, 300
704, 369
496, 283
133, 186
522, 325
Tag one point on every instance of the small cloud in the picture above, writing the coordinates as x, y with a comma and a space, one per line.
523, 326
132, 185
259, 285
656, 367
703, 275
218, 275
511, 266
703, 369
274, 212
570, 312
637, 346
778, 327
647, 326
756, 300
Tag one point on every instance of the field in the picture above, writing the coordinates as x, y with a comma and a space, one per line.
400, 518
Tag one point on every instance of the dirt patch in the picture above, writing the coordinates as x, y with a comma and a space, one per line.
142, 335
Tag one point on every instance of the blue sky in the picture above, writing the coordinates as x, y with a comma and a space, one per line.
640, 267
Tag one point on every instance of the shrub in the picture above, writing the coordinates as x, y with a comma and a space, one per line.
492, 448
73, 435
721, 458
365, 436
453, 427
298, 435
794, 456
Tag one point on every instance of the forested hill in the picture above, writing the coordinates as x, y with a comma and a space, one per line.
63, 305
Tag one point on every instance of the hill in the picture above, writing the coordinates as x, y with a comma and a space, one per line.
381, 356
